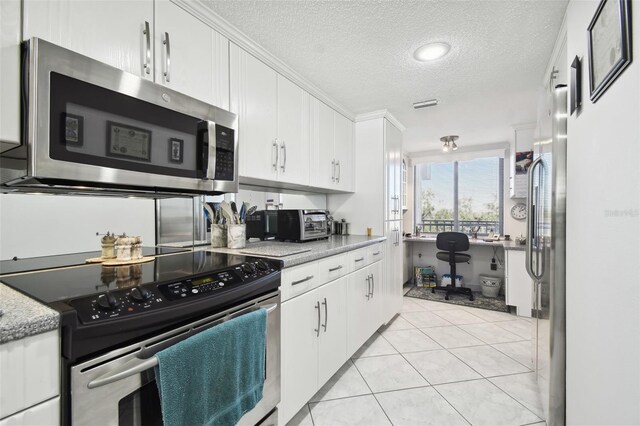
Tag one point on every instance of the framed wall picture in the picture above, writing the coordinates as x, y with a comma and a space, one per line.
176, 147
609, 44
128, 141
576, 85
73, 126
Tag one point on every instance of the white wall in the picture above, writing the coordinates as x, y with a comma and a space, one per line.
41, 225
603, 240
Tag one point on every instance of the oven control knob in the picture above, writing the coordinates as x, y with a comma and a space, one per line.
140, 294
108, 302
248, 268
262, 265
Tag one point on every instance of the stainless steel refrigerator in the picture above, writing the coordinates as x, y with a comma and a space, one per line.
545, 259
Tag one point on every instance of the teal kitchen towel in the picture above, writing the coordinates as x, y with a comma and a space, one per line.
216, 376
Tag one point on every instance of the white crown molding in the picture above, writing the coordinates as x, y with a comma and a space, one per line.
199, 9
382, 113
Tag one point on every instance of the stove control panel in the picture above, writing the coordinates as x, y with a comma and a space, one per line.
135, 300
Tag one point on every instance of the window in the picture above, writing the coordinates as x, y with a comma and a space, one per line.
464, 196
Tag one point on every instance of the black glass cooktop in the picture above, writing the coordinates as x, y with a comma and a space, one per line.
16, 265
70, 283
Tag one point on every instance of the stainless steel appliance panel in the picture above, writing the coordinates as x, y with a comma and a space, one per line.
33, 166
101, 386
546, 232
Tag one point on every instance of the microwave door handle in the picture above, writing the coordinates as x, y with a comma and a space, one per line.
137, 365
209, 152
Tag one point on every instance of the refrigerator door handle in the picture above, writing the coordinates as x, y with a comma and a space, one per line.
530, 213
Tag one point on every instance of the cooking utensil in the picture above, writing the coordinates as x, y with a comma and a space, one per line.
252, 210
227, 212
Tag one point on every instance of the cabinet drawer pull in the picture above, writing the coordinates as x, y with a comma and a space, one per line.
376, 253
359, 260
335, 269
302, 280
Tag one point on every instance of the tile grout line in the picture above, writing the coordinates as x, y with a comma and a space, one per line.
512, 397
371, 390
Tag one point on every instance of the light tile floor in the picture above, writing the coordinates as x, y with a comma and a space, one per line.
435, 364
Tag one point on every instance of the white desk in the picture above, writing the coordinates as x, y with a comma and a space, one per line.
511, 267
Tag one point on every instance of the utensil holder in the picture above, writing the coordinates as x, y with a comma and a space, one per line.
218, 235
237, 236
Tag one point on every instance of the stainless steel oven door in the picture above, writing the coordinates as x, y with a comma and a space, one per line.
119, 388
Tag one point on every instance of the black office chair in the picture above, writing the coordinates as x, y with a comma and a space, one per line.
453, 243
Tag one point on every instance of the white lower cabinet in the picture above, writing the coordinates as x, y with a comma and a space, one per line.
326, 323
45, 414
29, 372
365, 298
518, 285
314, 342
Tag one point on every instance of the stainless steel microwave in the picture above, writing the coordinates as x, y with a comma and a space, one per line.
90, 127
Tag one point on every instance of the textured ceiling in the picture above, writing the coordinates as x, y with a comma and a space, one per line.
361, 54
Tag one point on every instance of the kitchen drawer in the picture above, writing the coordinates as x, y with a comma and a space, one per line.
333, 267
375, 253
359, 258
299, 279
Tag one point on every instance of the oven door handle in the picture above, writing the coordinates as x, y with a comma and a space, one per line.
137, 365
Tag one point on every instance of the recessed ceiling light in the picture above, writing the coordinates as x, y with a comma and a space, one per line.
431, 51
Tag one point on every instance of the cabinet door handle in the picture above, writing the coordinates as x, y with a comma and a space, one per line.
275, 161
373, 285
167, 45
368, 295
147, 55
317, 330
326, 315
376, 253
337, 268
339, 171
302, 280
333, 171
359, 260
283, 147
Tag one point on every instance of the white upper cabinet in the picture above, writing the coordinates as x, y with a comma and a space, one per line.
273, 121
332, 163
254, 97
393, 153
111, 32
191, 58
343, 152
293, 133
156, 40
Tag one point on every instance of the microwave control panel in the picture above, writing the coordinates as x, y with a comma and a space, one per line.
225, 153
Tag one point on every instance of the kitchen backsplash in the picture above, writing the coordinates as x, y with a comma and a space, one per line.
43, 225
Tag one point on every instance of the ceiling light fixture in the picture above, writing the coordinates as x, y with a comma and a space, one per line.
431, 51
424, 104
449, 143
